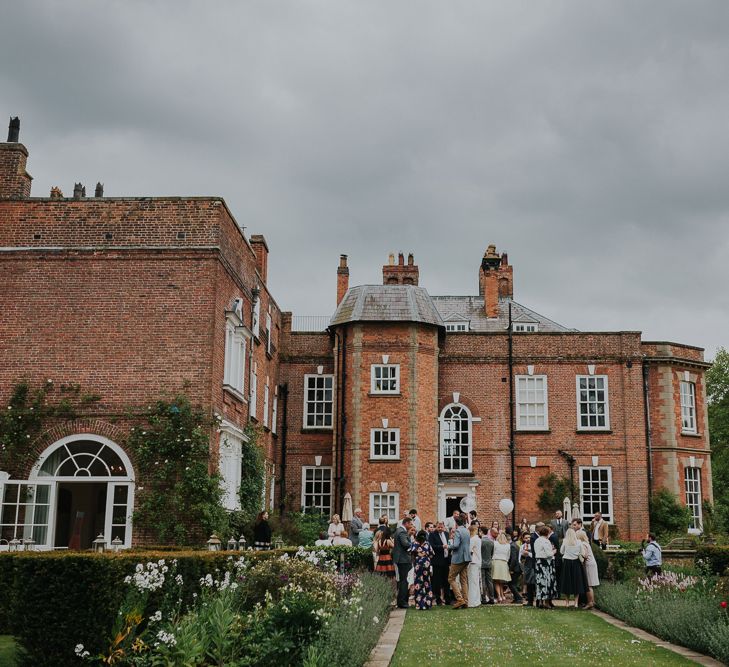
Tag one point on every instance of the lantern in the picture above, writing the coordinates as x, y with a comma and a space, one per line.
28, 544
232, 544
14, 544
116, 544
99, 544
214, 543
242, 543
278, 543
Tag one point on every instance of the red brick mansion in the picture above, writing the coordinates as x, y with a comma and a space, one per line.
401, 399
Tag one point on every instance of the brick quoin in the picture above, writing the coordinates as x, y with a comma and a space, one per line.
128, 297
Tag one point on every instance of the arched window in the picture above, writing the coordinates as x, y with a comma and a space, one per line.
82, 457
455, 439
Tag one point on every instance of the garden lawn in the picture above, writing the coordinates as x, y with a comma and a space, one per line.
513, 635
7, 651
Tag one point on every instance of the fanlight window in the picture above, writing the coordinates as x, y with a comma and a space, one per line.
455, 439
83, 458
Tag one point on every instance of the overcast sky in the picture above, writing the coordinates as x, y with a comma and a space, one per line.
590, 140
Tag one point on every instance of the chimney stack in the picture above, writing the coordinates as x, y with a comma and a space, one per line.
400, 273
14, 179
79, 191
342, 278
99, 192
260, 247
495, 280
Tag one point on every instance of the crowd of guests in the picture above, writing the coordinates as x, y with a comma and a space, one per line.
461, 563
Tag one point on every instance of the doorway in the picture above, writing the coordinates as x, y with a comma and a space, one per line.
80, 513
453, 503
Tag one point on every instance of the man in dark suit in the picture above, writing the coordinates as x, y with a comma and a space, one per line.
487, 581
403, 561
559, 525
557, 556
515, 570
438, 540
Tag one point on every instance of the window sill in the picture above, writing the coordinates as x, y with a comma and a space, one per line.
384, 394
228, 389
377, 459
598, 431
317, 429
456, 473
692, 434
533, 430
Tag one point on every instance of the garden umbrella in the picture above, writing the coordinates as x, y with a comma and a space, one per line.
576, 514
567, 510
347, 507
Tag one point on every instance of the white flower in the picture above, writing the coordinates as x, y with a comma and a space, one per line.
157, 616
375, 620
79, 649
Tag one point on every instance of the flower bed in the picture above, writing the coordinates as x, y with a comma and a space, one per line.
50, 597
680, 608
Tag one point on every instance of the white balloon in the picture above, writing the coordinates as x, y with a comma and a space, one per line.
506, 506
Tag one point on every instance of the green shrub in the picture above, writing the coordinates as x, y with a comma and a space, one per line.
625, 564
52, 600
712, 559
337, 644
553, 492
691, 618
667, 514
299, 528
601, 560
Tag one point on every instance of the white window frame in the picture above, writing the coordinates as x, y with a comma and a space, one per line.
688, 406
325, 509
392, 508
522, 400
457, 327
254, 390
692, 486
230, 462
393, 438
442, 437
606, 389
324, 377
525, 327
389, 379
256, 317
266, 403
269, 332
234, 370
274, 410
272, 493
587, 516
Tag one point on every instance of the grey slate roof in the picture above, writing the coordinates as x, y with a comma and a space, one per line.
386, 303
470, 309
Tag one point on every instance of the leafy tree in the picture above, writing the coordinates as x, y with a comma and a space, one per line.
553, 492
667, 514
717, 391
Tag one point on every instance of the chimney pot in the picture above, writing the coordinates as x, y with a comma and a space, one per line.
342, 261
14, 130
400, 259
56, 192
342, 278
78, 191
391, 259
411, 259
99, 192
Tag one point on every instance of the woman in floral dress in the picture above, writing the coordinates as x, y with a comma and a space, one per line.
423, 553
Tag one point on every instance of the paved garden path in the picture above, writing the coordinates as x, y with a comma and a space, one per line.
512, 635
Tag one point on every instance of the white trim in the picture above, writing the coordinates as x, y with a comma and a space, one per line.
129, 477
392, 510
458, 326
606, 389
304, 470
442, 420
532, 379
388, 379
687, 399
108, 527
525, 327
306, 402
694, 484
393, 438
610, 513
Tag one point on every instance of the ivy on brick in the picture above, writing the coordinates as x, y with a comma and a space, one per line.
178, 496
27, 414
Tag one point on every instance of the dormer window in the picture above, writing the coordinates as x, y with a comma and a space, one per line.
455, 327
526, 327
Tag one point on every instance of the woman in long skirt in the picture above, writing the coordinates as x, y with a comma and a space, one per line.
383, 547
573, 574
528, 567
423, 586
590, 564
474, 569
544, 573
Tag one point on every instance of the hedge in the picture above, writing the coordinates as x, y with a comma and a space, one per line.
52, 601
713, 559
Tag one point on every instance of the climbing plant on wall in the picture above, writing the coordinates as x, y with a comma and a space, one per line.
178, 496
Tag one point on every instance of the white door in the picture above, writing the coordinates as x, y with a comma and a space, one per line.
27, 512
119, 508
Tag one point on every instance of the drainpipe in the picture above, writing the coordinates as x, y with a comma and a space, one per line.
255, 293
341, 408
512, 444
648, 442
283, 392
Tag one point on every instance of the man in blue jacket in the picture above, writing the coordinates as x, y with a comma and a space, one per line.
460, 558
403, 561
